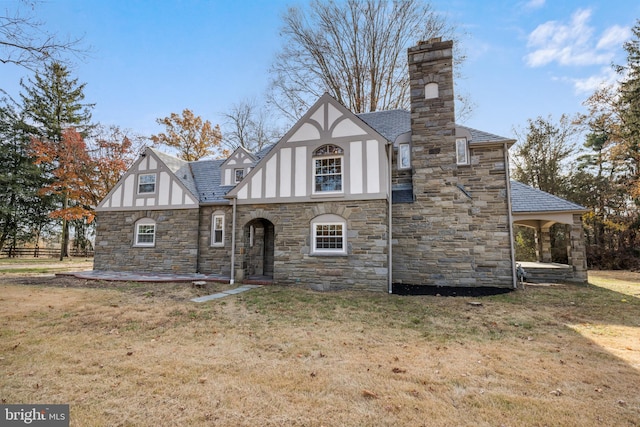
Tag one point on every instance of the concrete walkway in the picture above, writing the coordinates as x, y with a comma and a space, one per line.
223, 294
145, 277
158, 277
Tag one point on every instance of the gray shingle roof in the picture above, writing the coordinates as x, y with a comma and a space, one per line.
478, 136
389, 124
528, 199
208, 181
394, 123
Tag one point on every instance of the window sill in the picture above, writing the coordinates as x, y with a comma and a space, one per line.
327, 195
329, 254
217, 245
144, 246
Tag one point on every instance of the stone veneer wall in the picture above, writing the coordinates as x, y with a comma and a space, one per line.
175, 250
214, 259
576, 250
456, 233
365, 266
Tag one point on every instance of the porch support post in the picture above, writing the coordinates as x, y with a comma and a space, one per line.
576, 249
538, 242
545, 244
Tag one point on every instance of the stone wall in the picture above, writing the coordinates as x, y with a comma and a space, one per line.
364, 266
175, 249
576, 250
456, 233
214, 259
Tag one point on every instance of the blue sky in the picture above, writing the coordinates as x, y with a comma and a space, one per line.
148, 59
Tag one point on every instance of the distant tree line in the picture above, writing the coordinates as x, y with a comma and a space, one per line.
602, 174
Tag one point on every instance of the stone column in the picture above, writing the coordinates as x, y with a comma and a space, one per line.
545, 244
576, 249
538, 243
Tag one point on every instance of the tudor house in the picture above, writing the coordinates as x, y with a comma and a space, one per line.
342, 201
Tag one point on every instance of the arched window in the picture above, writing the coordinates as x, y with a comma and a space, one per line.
327, 169
145, 232
329, 235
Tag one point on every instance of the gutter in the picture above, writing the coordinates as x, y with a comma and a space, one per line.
510, 217
390, 216
233, 243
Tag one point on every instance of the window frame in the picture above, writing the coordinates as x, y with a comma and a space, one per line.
462, 143
145, 222
235, 175
406, 148
140, 183
214, 241
328, 220
335, 153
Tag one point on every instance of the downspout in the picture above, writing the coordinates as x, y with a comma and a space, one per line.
390, 215
510, 218
233, 243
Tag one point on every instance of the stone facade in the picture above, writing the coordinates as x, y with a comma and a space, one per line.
576, 250
456, 233
363, 267
214, 259
175, 249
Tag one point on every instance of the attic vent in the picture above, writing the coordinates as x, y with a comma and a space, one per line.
431, 91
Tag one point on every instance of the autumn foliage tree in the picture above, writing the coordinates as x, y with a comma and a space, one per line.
191, 136
112, 151
70, 174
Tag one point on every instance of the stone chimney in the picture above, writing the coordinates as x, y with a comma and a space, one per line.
432, 106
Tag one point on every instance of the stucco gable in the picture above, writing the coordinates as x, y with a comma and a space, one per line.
284, 174
174, 185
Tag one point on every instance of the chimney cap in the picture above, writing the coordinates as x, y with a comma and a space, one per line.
431, 40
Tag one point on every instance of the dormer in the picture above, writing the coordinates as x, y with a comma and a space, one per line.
237, 166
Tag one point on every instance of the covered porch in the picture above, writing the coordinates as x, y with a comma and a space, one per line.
539, 211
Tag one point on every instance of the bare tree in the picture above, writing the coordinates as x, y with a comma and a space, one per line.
354, 50
24, 42
247, 125
541, 158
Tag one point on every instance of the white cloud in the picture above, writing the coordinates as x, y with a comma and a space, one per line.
613, 37
573, 43
534, 4
589, 84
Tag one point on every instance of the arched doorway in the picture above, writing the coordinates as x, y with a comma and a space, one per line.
259, 240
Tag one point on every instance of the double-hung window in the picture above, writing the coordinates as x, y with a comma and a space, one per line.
329, 235
145, 232
327, 169
239, 174
217, 230
147, 183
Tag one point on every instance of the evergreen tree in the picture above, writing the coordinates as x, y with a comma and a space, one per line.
53, 102
629, 108
23, 211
